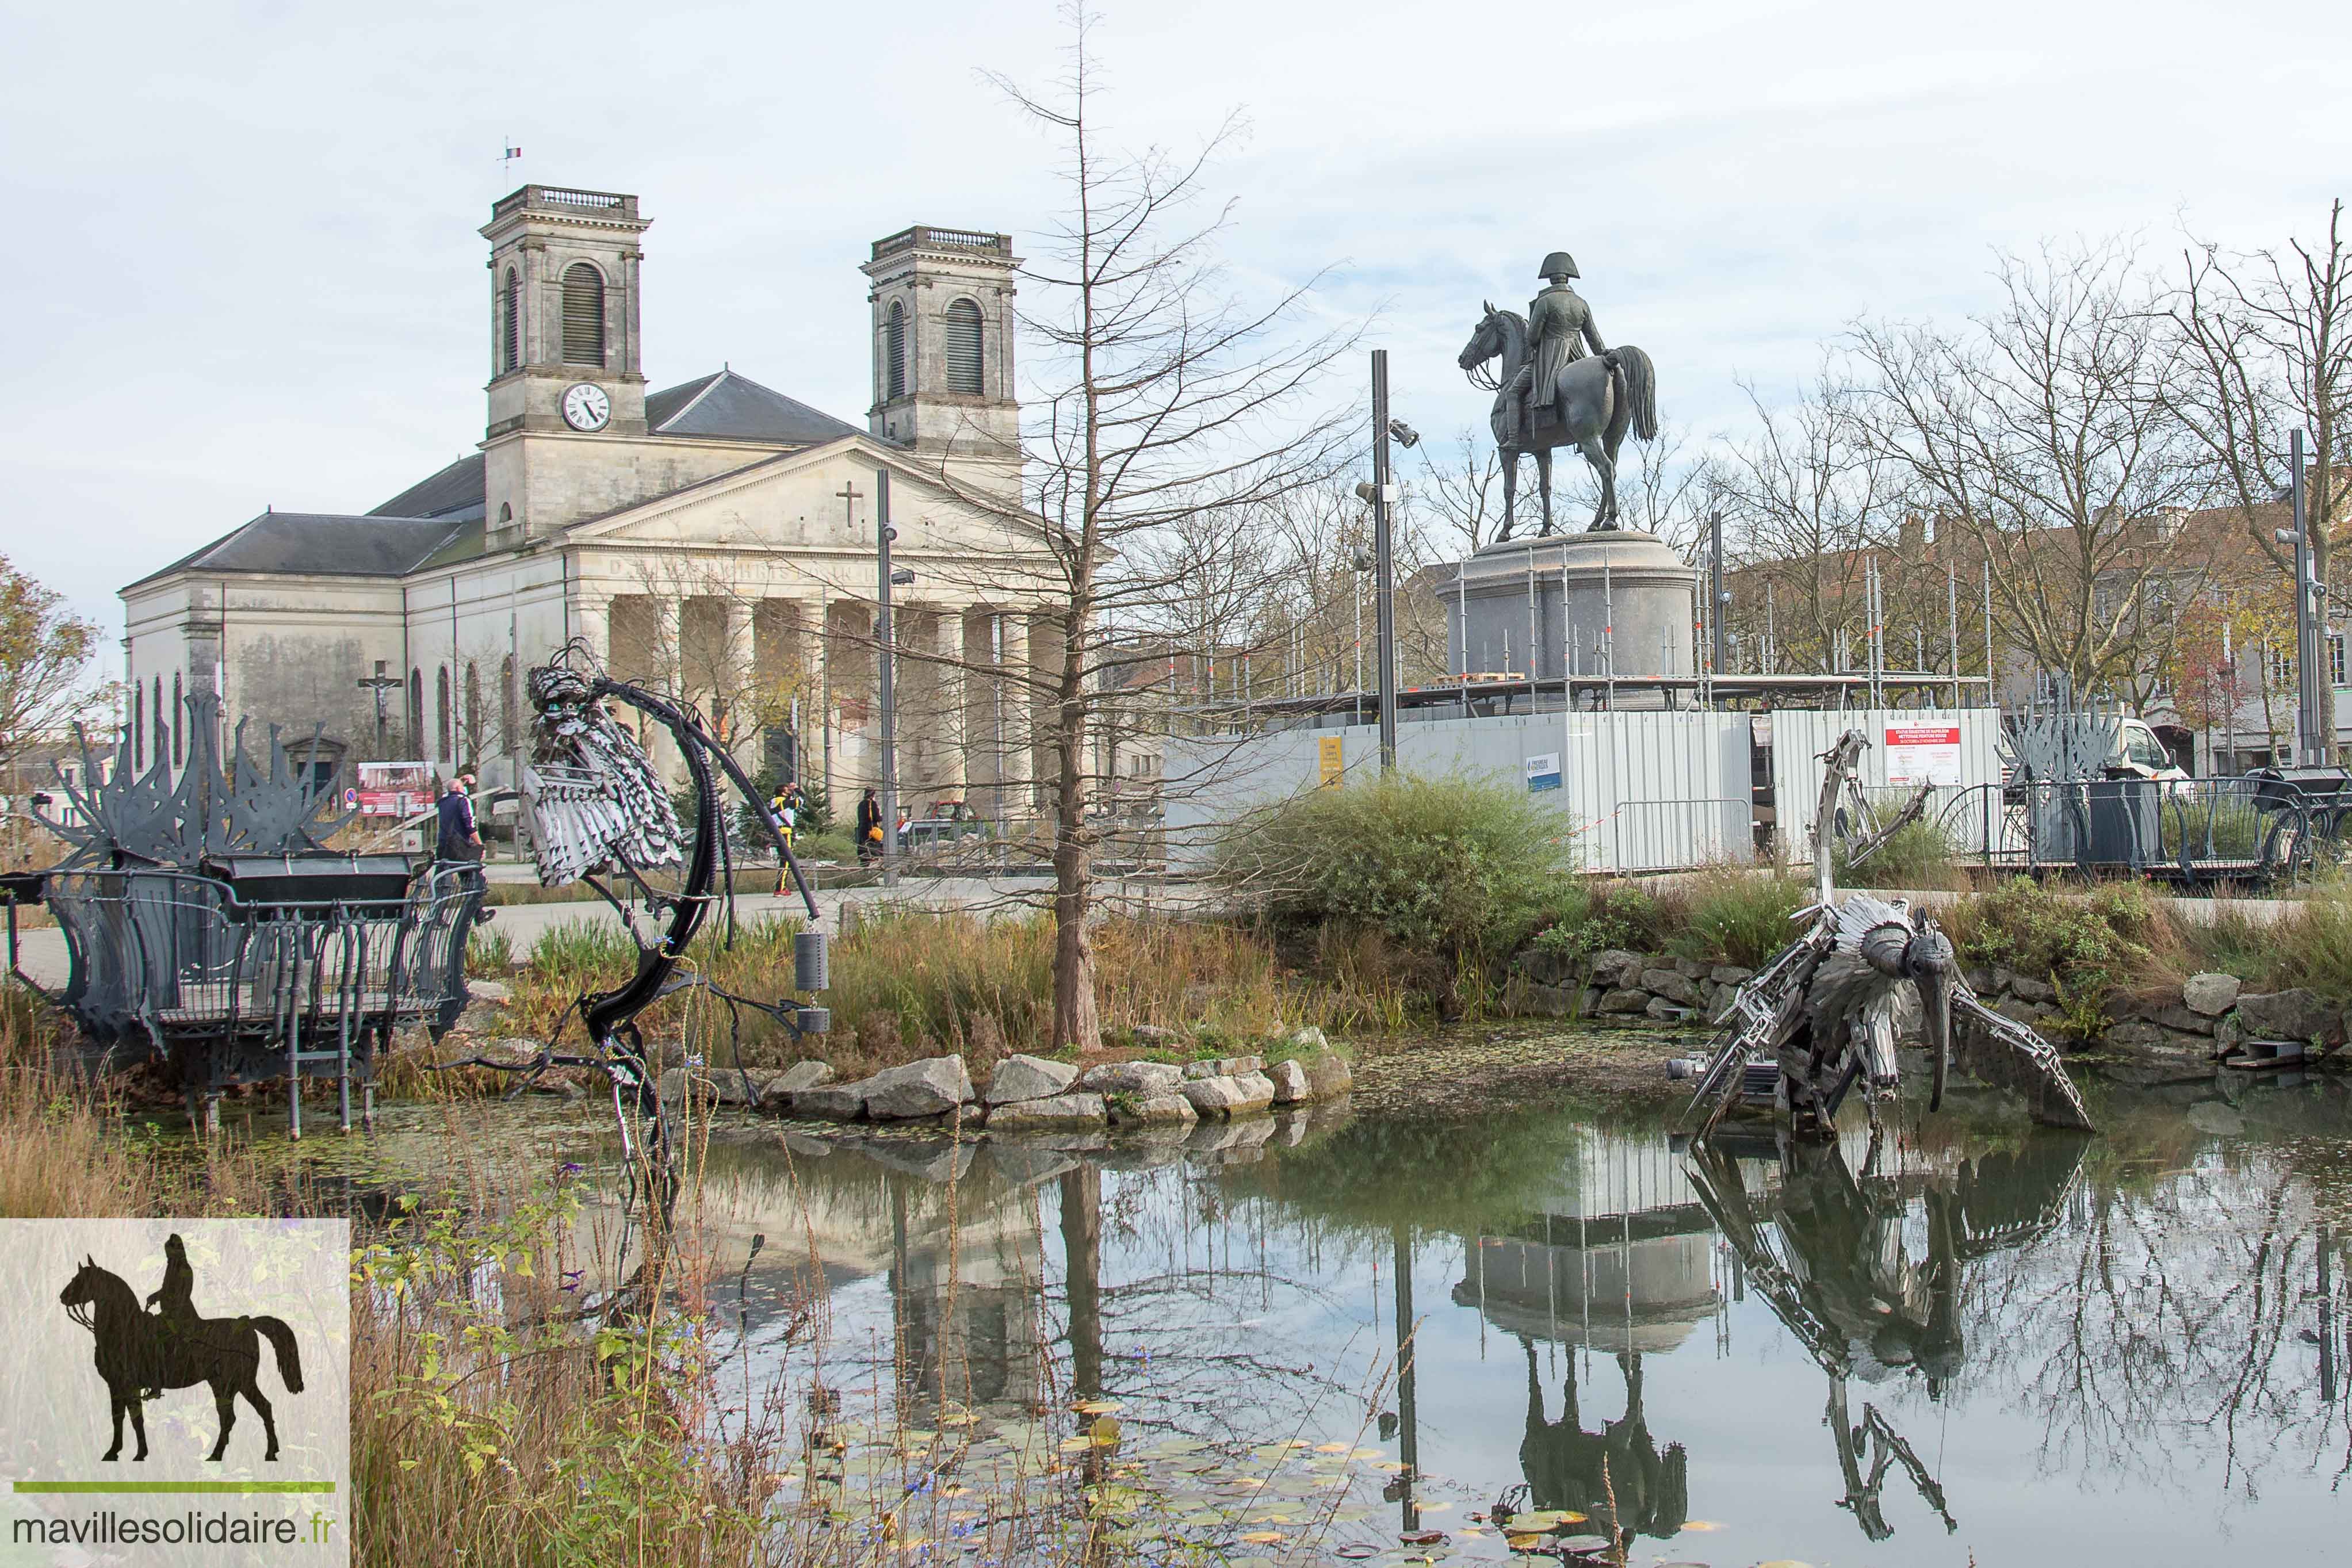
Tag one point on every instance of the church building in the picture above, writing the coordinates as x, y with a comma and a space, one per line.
713, 539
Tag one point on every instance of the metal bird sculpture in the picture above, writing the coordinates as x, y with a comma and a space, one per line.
1822, 1013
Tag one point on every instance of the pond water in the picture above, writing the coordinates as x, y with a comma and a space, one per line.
1973, 1342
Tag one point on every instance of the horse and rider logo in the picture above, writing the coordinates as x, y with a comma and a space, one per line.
143, 1353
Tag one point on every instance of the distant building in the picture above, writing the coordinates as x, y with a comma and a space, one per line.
714, 537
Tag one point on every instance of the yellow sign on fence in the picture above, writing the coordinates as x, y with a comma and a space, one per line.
1328, 749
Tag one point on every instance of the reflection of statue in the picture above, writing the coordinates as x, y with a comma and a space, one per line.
1824, 1010
1828, 1254
1616, 1478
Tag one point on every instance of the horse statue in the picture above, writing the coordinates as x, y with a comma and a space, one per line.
139, 1354
1601, 397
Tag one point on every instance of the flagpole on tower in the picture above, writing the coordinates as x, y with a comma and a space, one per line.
509, 157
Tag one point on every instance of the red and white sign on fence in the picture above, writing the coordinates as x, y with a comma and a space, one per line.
1923, 755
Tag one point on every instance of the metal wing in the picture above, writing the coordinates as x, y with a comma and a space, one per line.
594, 799
2004, 1053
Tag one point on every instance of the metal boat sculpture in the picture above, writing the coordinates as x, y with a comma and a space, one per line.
1820, 1019
209, 928
599, 814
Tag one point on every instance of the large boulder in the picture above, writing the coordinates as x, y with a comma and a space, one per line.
1673, 985
1616, 967
830, 1102
801, 1076
2187, 1019
1019, 1078
1290, 1083
1307, 1037
2211, 994
1730, 975
2031, 990
931, 1087
2297, 1015
1667, 1011
1328, 1076
1625, 999
1153, 1111
1132, 1077
1230, 1096
488, 990
1546, 966
1057, 1111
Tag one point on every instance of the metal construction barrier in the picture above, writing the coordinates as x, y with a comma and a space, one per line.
233, 990
2192, 830
1668, 836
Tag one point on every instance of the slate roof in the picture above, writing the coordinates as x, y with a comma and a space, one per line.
456, 492
321, 544
736, 407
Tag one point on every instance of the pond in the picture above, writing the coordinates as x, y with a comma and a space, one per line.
1973, 1342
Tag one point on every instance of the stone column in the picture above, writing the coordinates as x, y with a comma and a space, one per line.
982, 772
1020, 722
955, 764
816, 698
592, 623
738, 681
666, 675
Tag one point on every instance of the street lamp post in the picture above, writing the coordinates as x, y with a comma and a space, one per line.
2312, 748
886, 664
1384, 563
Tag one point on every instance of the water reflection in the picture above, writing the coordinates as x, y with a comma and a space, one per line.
2032, 1347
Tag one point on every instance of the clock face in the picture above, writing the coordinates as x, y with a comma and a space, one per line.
585, 407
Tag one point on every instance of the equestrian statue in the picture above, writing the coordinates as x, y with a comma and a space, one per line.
1550, 392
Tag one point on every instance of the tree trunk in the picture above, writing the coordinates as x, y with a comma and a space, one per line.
1077, 1020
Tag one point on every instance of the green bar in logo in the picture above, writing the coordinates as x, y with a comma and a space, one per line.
151, 1489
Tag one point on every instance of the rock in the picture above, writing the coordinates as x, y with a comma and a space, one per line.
2296, 1014
1980, 981
1154, 1035
2025, 1013
1691, 968
1019, 1078
2003, 978
801, 1076
1615, 967
747, 1086
1151, 1111
1667, 1011
1730, 975
2183, 1018
1673, 985
2211, 994
1224, 1067
2134, 1032
805, 1147
671, 1086
1329, 1077
2229, 1034
1054, 1111
1230, 1096
1290, 1085
1547, 1001
1132, 1077
836, 1102
1546, 966
928, 1088
2185, 1043
488, 990
1306, 1038
2033, 990
1623, 1000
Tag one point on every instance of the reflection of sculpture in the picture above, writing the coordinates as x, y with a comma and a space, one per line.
1616, 1478
1549, 393
1825, 1008
1828, 1255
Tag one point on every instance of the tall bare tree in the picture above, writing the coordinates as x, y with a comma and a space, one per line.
2049, 430
1163, 395
2268, 337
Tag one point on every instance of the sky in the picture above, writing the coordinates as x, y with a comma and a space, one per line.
246, 270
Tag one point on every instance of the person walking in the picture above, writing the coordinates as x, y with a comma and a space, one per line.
785, 807
458, 839
869, 830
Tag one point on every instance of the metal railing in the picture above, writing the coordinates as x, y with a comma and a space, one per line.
178, 958
2197, 830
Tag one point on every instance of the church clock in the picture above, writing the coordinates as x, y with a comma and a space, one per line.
586, 406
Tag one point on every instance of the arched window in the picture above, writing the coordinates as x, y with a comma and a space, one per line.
583, 314
511, 322
441, 713
506, 514
473, 747
963, 347
893, 352
179, 721
508, 737
138, 727
416, 712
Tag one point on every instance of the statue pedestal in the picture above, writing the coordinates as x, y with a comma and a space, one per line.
1564, 594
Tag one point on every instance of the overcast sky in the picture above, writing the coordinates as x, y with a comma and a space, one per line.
244, 269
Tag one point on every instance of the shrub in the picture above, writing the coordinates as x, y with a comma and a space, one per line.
1916, 855
1731, 916
1613, 915
1451, 867
2086, 946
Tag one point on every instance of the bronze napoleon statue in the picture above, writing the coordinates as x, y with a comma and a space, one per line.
1550, 392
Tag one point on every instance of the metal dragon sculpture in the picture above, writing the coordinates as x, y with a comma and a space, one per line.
1820, 1019
599, 814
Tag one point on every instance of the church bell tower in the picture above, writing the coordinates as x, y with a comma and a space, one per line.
943, 386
